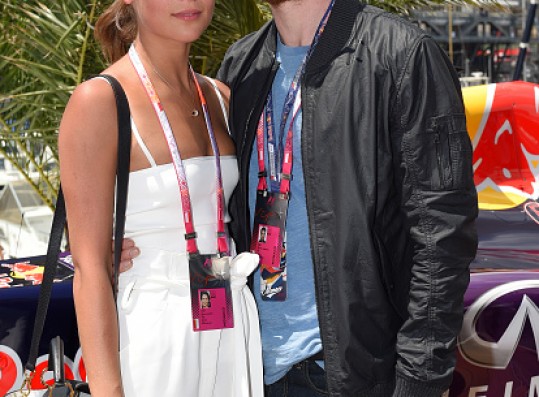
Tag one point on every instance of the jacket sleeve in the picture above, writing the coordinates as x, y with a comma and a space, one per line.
235, 57
433, 160
223, 74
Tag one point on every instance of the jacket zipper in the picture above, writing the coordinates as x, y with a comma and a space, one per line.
322, 319
438, 145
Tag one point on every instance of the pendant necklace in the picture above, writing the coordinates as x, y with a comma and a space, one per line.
194, 112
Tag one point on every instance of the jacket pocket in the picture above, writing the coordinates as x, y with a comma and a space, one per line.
453, 163
440, 156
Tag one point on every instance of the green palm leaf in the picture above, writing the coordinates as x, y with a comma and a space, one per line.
232, 19
43, 50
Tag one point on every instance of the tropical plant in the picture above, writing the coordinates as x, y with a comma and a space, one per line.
45, 51
405, 6
47, 48
232, 20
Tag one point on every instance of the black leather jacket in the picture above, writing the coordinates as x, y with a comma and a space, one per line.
390, 195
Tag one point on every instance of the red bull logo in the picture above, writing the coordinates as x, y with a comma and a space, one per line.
503, 124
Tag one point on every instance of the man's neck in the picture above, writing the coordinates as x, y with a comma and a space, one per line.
297, 20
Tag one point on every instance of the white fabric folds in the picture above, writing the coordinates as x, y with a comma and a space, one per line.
161, 354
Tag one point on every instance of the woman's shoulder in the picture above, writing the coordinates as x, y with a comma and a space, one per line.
91, 108
92, 105
222, 87
90, 113
96, 93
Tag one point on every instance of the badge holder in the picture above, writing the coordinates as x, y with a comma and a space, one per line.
211, 296
269, 242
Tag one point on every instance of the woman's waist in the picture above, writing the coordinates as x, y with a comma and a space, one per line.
165, 259
172, 239
156, 269
157, 263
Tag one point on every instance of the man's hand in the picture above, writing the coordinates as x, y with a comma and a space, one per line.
129, 252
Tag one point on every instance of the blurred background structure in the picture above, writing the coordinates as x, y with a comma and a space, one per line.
483, 42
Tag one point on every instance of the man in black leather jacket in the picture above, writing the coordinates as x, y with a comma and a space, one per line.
388, 191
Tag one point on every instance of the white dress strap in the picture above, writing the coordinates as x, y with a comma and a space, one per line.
135, 132
221, 101
142, 144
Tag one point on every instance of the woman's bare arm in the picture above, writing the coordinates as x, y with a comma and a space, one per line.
87, 144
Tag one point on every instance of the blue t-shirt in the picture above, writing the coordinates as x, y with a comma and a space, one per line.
290, 330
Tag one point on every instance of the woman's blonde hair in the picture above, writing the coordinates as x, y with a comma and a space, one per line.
116, 29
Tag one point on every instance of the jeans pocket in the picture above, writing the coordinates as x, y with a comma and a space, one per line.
315, 377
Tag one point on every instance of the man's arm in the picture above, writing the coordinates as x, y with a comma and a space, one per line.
434, 160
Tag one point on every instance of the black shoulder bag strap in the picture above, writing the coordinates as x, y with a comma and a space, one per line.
59, 220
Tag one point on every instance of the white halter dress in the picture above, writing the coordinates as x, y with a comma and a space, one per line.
160, 353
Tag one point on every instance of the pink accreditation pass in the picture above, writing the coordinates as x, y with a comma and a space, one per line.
269, 242
211, 297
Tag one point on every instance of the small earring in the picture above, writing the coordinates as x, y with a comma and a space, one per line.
117, 22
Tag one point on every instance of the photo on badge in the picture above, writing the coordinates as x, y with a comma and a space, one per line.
268, 245
205, 300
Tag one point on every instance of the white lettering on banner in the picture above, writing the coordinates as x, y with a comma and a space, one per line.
508, 389
481, 391
534, 387
478, 389
498, 355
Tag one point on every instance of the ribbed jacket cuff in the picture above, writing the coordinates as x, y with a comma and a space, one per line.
409, 388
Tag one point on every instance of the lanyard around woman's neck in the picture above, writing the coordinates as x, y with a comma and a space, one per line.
292, 104
190, 235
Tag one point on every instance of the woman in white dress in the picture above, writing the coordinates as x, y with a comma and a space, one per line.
183, 170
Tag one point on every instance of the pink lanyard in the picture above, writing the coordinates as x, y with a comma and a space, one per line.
292, 102
286, 174
190, 235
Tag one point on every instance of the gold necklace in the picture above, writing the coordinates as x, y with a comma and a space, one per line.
194, 112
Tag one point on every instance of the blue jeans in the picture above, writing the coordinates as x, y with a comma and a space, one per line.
305, 379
